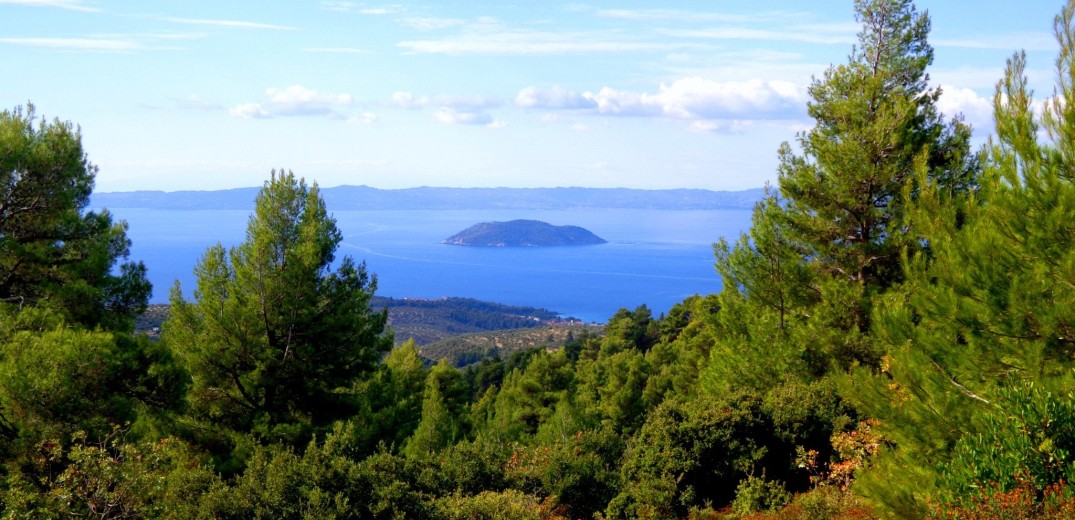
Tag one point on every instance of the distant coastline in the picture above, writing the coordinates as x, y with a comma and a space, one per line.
341, 198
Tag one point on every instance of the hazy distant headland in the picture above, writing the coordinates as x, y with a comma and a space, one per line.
342, 198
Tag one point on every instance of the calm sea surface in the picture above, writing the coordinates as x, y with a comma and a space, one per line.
654, 257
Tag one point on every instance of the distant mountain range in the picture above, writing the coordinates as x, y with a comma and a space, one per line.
367, 198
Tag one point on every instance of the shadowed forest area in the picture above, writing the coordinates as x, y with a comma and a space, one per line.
895, 338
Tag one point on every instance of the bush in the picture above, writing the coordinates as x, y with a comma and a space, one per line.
757, 494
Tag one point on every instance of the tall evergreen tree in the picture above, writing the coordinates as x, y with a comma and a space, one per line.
799, 287
876, 123
52, 251
976, 390
278, 334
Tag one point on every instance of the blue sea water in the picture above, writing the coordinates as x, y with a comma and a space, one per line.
654, 257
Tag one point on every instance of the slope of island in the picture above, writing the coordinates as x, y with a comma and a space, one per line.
523, 233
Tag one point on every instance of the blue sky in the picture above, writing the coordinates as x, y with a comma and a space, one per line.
193, 94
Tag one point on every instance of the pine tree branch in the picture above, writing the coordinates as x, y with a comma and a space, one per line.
966, 391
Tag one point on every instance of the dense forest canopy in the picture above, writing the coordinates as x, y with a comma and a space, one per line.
894, 339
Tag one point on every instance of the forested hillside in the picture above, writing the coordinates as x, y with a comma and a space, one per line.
421, 319
894, 339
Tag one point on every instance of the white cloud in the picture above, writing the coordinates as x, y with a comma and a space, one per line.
555, 97
976, 109
409, 101
686, 98
367, 118
77, 44
457, 117
464, 102
295, 100
239, 24
698, 98
71, 5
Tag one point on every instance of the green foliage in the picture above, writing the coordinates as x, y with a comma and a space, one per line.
578, 475
326, 481
892, 325
528, 398
691, 454
443, 404
392, 405
276, 337
491, 505
56, 380
112, 478
468, 467
430, 321
631, 330
757, 494
1031, 445
980, 339
53, 252
800, 287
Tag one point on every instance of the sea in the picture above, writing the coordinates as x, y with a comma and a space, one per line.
653, 257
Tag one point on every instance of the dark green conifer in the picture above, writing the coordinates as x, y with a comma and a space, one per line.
799, 288
278, 333
976, 390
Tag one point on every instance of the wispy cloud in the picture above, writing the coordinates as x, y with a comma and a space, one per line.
430, 23
363, 8
76, 44
295, 100
240, 24
337, 50
195, 102
71, 5
682, 16
842, 35
1030, 41
490, 37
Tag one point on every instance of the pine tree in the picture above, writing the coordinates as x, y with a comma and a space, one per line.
876, 123
52, 251
799, 288
277, 333
976, 389
441, 422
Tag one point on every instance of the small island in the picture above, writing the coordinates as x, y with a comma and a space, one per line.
523, 233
